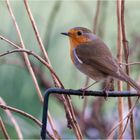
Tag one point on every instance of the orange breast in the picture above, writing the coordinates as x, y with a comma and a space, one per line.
73, 44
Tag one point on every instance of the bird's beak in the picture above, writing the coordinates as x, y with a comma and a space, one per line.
67, 34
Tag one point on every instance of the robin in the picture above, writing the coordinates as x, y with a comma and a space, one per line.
93, 58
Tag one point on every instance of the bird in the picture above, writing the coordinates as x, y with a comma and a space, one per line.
93, 57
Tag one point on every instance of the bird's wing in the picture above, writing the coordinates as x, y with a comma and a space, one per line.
98, 56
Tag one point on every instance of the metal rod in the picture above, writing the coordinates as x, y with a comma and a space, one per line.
77, 93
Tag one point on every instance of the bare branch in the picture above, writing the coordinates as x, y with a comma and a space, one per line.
130, 64
126, 53
124, 127
119, 56
41, 46
33, 54
28, 64
5, 107
9, 42
9, 114
67, 103
128, 115
4, 130
29, 53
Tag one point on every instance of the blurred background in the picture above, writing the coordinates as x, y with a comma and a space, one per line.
53, 17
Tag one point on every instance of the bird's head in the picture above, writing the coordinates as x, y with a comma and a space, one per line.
79, 35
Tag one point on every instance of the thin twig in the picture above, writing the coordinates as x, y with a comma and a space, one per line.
67, 103
72, 117
36, 31
129, 113
119, 56
5, 107
126, 52
29, 53
9, 42
41, 46
5, 133
47, 65
28, 64
9, 114
125, 126
36, 84
33, 54
129, 64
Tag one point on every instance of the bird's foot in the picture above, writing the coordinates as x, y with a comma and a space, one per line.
105, 92
87, 87
83, 92
109, 86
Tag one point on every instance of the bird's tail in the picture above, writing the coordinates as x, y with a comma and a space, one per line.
131, 81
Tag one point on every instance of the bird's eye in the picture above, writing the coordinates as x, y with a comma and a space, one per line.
79, 33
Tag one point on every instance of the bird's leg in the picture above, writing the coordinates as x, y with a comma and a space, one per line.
108, 87
85, 88
105, 91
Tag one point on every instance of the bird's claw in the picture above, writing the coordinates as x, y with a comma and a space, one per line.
105, 92
83, 94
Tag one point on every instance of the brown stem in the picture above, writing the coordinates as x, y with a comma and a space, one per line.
126, 52
5, 133
57, 83
25, 55
27, 62
130, 64
66, 99
68, 105
13, 120
119, 56
66, 102
36, 31
29, 53
9, 42
69, 110
128, 115
33, 54
37, 35
124, 127
5, 107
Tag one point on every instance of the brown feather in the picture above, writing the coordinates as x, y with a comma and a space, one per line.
92, 57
